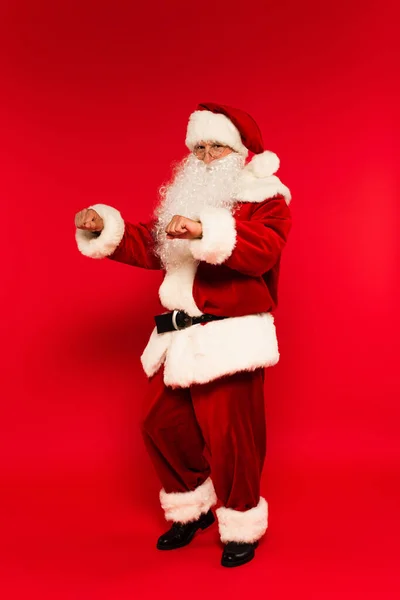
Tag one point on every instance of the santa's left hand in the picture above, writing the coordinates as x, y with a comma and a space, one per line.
182, 228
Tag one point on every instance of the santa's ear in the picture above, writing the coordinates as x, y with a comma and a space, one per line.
264, 164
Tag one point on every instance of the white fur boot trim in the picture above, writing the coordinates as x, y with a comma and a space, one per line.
103, 245
183, 507
248, 526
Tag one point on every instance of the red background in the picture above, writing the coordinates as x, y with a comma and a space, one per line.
94, 105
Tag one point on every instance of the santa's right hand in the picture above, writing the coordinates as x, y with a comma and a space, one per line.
89, 220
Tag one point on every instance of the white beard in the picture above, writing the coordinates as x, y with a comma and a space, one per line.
195, 185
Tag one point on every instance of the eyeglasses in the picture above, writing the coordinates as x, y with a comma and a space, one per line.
215, 150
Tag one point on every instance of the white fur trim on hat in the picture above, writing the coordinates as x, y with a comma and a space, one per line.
183, 507
100, 246
219, 236
248, 526
264, 164
205, 126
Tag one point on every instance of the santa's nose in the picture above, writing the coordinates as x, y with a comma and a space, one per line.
207, 158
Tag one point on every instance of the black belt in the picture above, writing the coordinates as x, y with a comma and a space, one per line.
176, 320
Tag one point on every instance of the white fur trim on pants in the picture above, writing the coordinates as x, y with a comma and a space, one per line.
103, 245
248, 526
183, 507
219, 236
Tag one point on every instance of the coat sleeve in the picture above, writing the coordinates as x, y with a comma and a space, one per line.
132, 244
252, 246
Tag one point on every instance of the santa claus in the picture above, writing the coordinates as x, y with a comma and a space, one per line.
218, 234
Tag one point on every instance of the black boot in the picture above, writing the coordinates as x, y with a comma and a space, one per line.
181, 534
236, 554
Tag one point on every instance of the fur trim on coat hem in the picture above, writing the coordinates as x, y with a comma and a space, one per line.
200, 354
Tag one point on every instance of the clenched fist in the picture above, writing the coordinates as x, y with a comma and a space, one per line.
182, 228
89, 220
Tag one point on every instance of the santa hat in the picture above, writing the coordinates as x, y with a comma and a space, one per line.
234, 128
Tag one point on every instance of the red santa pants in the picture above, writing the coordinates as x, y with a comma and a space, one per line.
209, 441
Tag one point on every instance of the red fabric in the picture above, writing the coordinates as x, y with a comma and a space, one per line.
247, 282
226, 419
246, 125
137, 247
94, 105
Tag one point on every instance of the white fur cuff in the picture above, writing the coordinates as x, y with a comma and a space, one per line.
219, 236
183, 507
248, 526
103, 245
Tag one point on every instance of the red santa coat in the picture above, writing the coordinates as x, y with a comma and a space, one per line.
233, 271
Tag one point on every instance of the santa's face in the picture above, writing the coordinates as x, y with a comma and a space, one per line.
196, 184
210, 151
